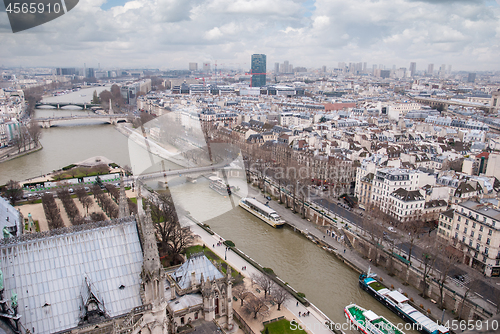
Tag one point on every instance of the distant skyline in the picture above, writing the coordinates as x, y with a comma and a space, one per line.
168, 34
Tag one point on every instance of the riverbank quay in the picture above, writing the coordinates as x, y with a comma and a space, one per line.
350, 257
314, 324
476, 307
10, 153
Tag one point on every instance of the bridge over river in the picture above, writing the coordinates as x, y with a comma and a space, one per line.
59, 105
48, 122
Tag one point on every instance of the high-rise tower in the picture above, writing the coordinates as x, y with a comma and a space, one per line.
259, 66
413, 69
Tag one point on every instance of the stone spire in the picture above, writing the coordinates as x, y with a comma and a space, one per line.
123, 210
149, 246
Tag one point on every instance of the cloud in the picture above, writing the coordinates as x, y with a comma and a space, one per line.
171, 33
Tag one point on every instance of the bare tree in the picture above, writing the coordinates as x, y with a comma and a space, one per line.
255, 305
474, 282
449, 256
52, 212
172, 237
104, 97
373, 225
69, 206
265, 282
87, 203
34, 131
241, 292
13, 191
429, 257
413, 228
280, 296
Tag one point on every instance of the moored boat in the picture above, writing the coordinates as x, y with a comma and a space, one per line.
368, 322
262, 211
399, 304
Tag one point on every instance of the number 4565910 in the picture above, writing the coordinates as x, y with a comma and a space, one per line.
32, 8
471, 325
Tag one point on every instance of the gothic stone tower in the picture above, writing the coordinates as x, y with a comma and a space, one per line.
152, 274
123, 209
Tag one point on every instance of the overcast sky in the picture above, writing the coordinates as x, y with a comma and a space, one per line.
168, 34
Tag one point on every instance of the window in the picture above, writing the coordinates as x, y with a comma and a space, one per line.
479, 237
474, 225
465, 229
466, 222
477, 216
490, 232
470, 242
488, 241
481, 228
477, 246
456, 235
472, 234
486, 250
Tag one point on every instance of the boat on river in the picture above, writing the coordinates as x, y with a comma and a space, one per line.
399, 304
218, 185
262, 211
368, 322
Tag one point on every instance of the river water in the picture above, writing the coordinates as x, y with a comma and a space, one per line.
326, 282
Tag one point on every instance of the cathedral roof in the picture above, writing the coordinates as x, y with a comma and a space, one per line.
47, 272
186, 301
199, 264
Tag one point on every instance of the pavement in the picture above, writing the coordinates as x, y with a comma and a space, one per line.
314, 323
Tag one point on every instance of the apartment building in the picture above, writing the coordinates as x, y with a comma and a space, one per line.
474, 228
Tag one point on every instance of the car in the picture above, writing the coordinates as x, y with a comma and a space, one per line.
392, 229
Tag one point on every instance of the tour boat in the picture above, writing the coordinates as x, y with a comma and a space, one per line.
399, 304
368, 322
218, 185
262, 211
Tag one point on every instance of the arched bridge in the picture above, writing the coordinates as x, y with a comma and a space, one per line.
444, 103
59, 105
54, 121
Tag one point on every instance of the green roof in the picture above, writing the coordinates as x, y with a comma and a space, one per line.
377, 286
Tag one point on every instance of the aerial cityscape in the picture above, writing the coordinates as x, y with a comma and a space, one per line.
251, 167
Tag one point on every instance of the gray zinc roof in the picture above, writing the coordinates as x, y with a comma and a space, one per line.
199, 264
47, 273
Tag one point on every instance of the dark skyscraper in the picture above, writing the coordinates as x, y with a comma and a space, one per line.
413, 69
471, 78
259, 66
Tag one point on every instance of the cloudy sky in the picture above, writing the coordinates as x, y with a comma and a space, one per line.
168, 34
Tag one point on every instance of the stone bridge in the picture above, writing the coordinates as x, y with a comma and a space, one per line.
444, 103
59, 105
107, 119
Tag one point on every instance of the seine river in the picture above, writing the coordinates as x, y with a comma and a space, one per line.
327, 283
